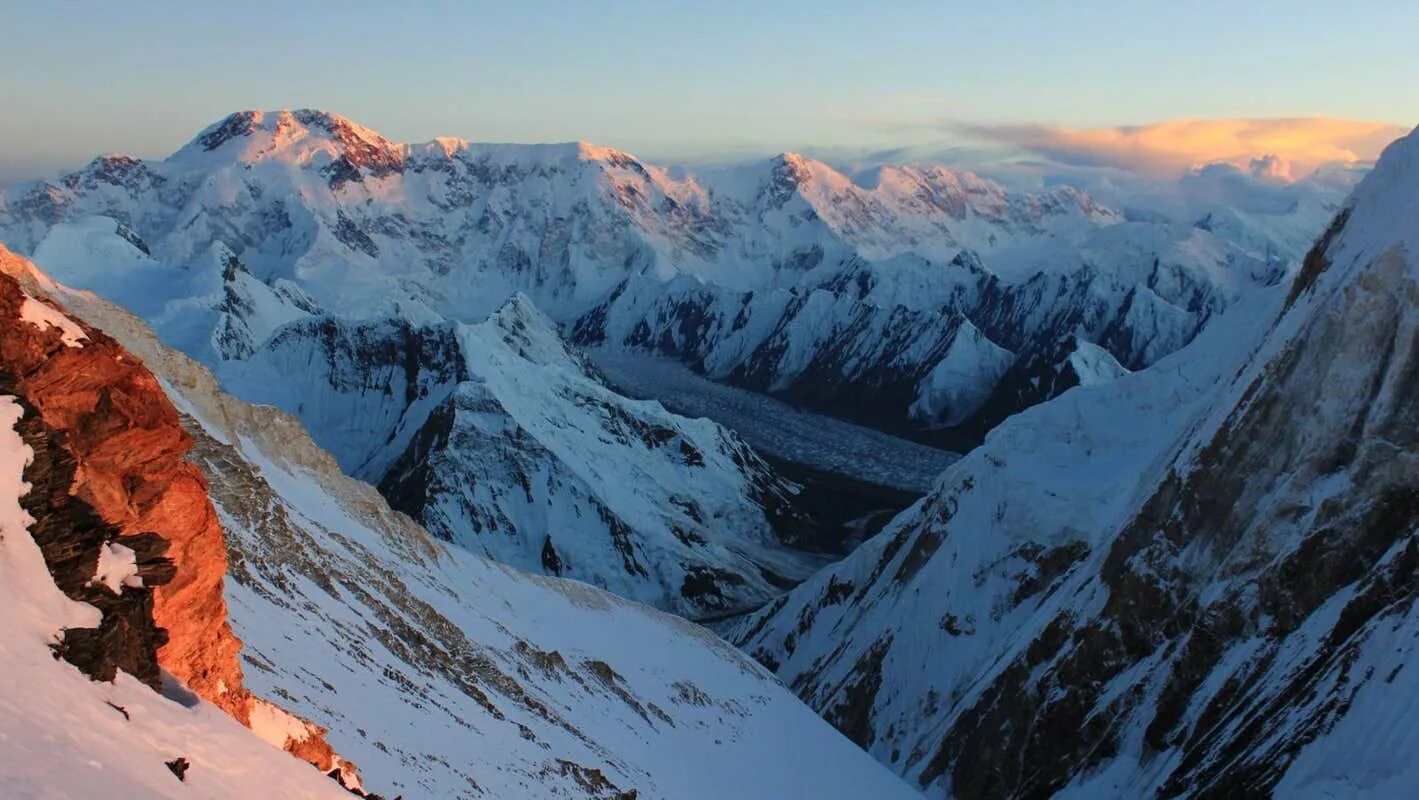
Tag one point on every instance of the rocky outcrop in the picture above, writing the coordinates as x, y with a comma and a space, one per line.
76, 543
123, 518
127, 449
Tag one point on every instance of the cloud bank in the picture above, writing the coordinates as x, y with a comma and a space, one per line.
1284, 149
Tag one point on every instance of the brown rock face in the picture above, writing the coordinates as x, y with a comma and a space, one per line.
110, 467
71, 537
128, 449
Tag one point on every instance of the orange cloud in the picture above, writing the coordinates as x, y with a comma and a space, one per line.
1282, 148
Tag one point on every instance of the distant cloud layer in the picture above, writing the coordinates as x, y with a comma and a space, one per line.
1274, 148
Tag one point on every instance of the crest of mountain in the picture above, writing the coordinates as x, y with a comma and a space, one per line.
928, 292
499, 438
1197, 580
443, 673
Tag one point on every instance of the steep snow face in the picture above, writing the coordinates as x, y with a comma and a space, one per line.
444, 674
67, 736
500, 439
1197, 579
827, 289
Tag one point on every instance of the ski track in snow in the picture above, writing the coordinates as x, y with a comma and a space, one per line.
774, 427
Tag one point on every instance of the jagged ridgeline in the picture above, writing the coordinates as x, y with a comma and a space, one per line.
1178, 559
915, 298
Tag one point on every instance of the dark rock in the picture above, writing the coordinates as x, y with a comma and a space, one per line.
178, 766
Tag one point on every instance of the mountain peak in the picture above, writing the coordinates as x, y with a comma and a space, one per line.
297, 137
1382, 215
793, 163
1389, 195
285, 126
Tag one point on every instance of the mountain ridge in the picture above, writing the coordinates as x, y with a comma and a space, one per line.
1196, 580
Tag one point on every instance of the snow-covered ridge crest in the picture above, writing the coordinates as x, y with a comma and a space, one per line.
296, 135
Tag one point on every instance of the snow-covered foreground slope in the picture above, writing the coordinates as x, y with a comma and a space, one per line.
443, 674
64, 735
1197, 580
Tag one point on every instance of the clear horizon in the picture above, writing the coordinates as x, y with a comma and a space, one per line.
939, 81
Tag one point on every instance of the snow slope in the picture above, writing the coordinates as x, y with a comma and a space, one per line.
444, 674
1195, 580
63, 735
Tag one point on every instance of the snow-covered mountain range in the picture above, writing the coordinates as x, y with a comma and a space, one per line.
938, 296
499, 438
405, 302
1197, 580
438, 672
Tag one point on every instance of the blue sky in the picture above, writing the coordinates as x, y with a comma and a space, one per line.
668, 79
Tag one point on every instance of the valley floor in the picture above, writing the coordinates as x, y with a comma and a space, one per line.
777, 430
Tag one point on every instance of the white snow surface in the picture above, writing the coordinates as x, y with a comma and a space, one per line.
60, 734
117, 568
42, 316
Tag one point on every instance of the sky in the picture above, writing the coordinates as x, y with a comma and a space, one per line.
702, 80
